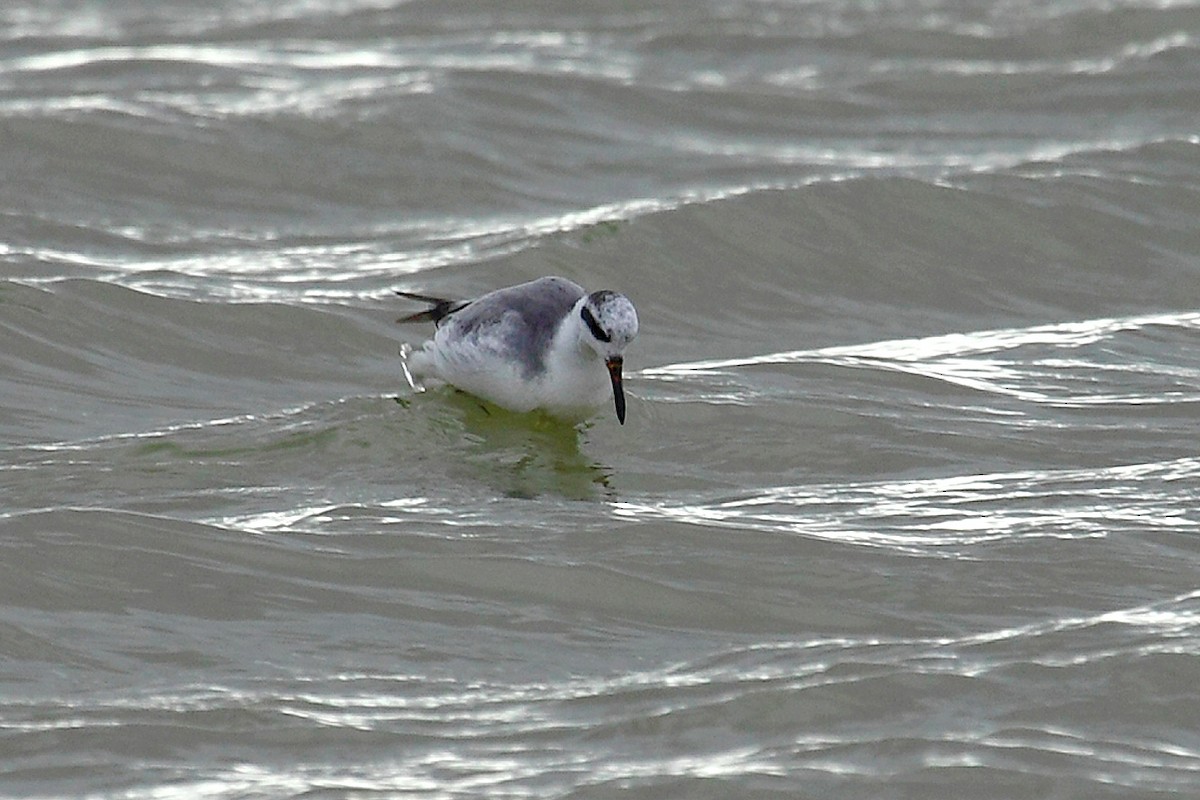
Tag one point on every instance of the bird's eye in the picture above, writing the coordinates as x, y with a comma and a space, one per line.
594, 326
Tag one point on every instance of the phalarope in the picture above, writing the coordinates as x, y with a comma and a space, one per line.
546, 344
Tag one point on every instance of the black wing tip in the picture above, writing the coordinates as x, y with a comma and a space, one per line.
420, 316
424, 298
439, 310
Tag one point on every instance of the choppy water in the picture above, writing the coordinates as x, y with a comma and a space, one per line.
907, 502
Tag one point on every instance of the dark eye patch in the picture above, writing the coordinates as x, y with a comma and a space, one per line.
594, 326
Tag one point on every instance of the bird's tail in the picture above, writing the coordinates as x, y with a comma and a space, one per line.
439, 309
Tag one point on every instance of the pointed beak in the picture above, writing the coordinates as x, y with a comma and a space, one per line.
614, 365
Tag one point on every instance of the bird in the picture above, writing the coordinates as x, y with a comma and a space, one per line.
547, 344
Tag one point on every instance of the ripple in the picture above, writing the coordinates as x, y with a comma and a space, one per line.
1036, 367
952, 516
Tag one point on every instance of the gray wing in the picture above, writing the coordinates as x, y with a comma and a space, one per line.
521, 319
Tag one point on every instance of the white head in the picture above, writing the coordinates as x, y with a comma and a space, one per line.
610, 323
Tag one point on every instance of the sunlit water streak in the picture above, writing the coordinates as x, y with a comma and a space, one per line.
480, 734
953, 516
1042, 364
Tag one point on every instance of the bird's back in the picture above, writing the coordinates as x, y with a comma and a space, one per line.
515, 324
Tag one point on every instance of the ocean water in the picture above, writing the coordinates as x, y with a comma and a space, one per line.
908, 499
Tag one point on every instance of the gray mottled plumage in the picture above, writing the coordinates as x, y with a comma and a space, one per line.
525, 320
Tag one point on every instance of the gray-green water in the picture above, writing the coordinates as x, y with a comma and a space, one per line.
906, 504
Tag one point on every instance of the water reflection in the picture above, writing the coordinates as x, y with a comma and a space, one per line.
520, 455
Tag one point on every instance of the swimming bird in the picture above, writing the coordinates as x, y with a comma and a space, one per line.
546, 344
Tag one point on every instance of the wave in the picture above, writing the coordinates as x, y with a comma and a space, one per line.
953, 516
1066, 365
205, 637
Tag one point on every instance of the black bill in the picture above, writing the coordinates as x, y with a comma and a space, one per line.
614, 371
